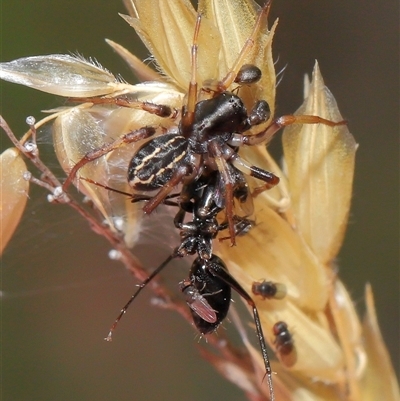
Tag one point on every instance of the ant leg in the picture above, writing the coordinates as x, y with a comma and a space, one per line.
284, 121
269, 178
218, 271
230, 77
242, 226
188, 115
141, 286
130, 137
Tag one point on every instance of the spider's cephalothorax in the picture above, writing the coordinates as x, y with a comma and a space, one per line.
218, 118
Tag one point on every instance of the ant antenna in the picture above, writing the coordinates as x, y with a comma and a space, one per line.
141, 286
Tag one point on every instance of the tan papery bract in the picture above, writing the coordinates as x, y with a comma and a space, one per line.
288, 384
379, 381
13, 193
157, 24
142, 71
278, 248
77, 132
62, 75
234, 25
273, 251
84, 128
320, 164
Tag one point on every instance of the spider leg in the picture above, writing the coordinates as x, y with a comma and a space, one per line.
222, 165
188, 114
284, 121
176, 179
269, 178
130, 137
230, 77
160, 110
259, 190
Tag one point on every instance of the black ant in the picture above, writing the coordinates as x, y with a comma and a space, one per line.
207, 137
269, 289
207, 291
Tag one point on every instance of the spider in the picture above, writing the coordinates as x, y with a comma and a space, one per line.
206, 138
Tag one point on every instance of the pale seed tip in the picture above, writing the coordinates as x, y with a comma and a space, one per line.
113, 254
30, 120
30, 147
27, 175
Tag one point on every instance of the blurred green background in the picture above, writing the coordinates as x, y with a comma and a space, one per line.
60, 291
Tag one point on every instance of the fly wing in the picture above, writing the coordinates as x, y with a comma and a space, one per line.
202, 308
